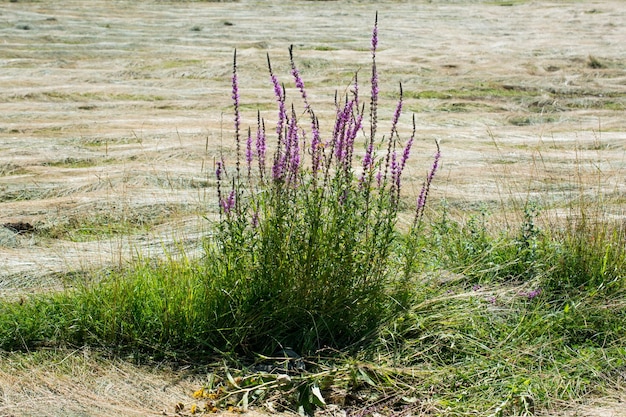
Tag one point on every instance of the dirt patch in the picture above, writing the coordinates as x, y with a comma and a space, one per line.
113, 113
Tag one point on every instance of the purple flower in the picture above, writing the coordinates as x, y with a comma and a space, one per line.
534, 293
435, 166
368, 159
352, 134
395, 170
316, 144
375, 35
255, 218
343, 197
288, 161
249, 151
229, 203
423, 196
218, 170
374, 102
421, 200
405, 156
406, 153
396, 115
294, 146
279, 92
278, 168
260, 144
342, 130
392, 143
298, 79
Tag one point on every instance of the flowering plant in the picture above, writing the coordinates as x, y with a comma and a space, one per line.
307, 237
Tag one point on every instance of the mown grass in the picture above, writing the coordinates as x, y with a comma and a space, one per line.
449, 316
110, 221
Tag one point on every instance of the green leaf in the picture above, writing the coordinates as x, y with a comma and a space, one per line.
366, 378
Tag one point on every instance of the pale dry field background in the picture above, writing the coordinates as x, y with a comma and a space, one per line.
112, 114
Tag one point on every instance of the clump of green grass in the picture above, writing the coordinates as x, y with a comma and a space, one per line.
595, 63
12, 169
108, 221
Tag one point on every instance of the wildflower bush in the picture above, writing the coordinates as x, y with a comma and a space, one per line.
307, 229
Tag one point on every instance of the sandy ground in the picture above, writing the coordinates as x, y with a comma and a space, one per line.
114, 112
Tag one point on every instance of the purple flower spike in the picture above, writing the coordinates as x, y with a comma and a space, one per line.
405, 156
235, 97
294, 146
260, 144
218, 170
298, 79
352, 134
229, 203
421, 200
255, 218
316, 144
375, 35
407, 148
368, 159
278, 168
342, 131
249, 152
395, 169
396, 116
218, 175
279, 92
374, 98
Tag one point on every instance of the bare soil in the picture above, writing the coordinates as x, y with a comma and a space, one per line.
114, 112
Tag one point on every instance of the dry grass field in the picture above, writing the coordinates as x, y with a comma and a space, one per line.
114, 112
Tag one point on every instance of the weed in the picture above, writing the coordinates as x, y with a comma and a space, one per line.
315, 240
595, 63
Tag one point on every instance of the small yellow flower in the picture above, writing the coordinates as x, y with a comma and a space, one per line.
199, 393
194, 409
